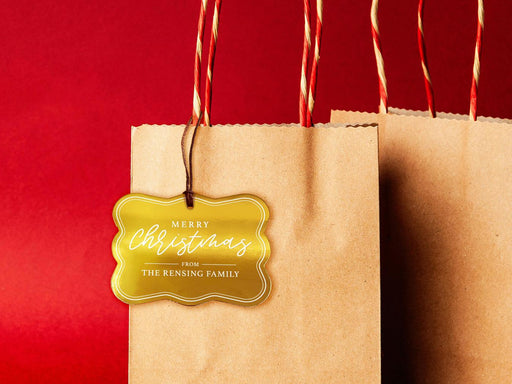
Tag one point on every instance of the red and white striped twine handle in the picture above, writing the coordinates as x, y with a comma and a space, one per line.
305, 59
308, 94
211, 59
316, 59
476, 62
383, 88
196, 110
424, 63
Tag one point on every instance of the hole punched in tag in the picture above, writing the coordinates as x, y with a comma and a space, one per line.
187, 144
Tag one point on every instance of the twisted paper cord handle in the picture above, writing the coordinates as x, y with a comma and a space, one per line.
476, 62
211, 59
424, 63
307, 94
316, 59
383, 88
196, 110
305, 60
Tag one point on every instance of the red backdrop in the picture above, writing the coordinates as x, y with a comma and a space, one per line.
76, 75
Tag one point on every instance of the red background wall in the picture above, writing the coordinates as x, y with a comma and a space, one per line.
76, 75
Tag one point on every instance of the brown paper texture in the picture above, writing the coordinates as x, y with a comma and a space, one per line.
439, 115
321, 322
446, 229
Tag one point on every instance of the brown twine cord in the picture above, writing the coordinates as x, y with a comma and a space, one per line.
187, 144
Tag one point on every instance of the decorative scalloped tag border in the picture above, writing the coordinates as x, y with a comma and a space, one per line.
215, 251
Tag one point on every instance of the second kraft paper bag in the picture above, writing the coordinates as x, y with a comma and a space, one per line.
446, 242
446, 236
321, 321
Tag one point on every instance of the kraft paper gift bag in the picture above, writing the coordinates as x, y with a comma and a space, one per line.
446, 230
446, 245
320, 323
321, 320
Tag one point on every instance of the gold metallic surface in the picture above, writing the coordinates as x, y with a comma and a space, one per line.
216, 250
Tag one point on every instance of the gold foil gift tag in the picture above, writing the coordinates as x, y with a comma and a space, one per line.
215, 251
191, 248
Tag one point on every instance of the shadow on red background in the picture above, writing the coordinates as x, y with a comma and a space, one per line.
76, 76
